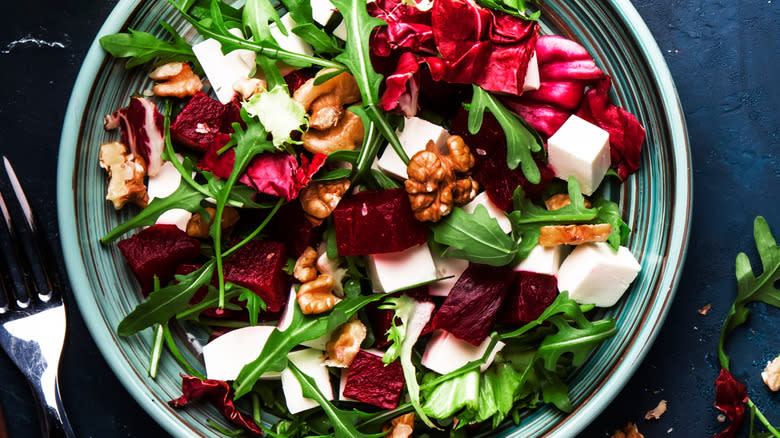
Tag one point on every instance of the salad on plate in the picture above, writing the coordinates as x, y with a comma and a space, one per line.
388, 217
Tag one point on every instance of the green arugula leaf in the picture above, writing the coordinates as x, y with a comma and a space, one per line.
165, 303
521, 139
256, 15
517, 8
609, 213
333, 174
578, 340
372, 141
554, 390
279, 114
301, 329
752, 288
562, 305
476, 237
254, 304
142, 47
343, 422
320, 41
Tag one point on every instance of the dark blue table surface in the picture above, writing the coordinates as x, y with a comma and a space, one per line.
724, 58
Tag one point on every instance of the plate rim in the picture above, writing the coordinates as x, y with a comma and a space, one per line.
576, 422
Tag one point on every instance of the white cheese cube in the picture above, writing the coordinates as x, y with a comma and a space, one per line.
225, 356
224, 70
493, 210
322, 11
580, 149
396, 270
594, 274
175, 216
532, 81
445, 267
445, 353
163, 185
415, 135
319, 343
291, 41
544, 259
310, 362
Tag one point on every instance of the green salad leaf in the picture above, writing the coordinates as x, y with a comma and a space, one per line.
279, 114
476, 237
521, 139
142, 47
517, 8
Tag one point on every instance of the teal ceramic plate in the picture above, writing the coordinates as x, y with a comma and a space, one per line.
656, 203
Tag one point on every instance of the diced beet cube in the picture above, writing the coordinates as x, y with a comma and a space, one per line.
200, 122
490, 168
158, 250
290, 226
296, 78
528, 297
473, 303
370, 381
382, 319
376, 222
259, 267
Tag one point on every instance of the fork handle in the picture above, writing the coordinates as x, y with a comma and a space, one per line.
54, 421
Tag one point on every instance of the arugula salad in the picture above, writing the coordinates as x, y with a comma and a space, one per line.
388, 215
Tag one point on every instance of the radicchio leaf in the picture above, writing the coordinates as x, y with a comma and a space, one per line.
403, 86
217, 392
408, 28
731, 398
142, 131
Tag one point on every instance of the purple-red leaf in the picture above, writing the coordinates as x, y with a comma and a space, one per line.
216, 392
731, 398
141, 125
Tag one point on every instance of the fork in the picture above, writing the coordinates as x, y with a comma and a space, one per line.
32, 314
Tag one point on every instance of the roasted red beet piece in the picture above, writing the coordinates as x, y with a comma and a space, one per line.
370, 381
200, 122
158, 250
382, 319
289, 225
296, 78
490, 168
259, 267
473, 303
529, 295
376, 222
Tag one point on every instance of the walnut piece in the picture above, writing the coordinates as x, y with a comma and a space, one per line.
657, 411
126, 173
556, 202
630, 431
771, 374
437, 181
179, 80
320, 198
248, 87
552, 235
400, 427
344, 344
331, 126
305, 269
198, 227
316, 296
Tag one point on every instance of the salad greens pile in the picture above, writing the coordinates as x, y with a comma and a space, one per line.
532, 367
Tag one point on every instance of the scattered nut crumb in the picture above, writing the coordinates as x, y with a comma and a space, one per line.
630, 431
705, 309
771, 374
670, 430
656, 412
721, 418
656, 392
400, 427
176, 79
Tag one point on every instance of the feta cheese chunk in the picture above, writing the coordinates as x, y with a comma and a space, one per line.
445, 353
580, 149
322, 11
225, 356
163, 185
493, 210
291, 41
395, 270
413, 138
544, 259
310, 362
221, 70
445, 267
532, 81
593, 274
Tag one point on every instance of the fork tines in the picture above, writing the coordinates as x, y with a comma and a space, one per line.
21, 247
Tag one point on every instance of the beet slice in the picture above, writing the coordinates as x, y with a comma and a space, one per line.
473, 303
290, 226
529, 296
158, 250
197, 126
376, 222
259, 267
370, 381
490, 168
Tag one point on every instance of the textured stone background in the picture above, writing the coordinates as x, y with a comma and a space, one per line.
724, 58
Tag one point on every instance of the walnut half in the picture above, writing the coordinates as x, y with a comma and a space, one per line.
179, 80
344, 344
552, 235
316, 296
320, 198
439, 181
126, 173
